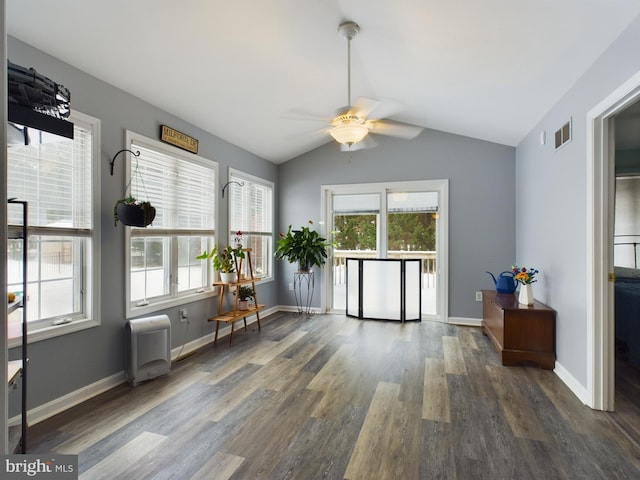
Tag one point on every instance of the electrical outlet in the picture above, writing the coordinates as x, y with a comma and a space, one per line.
291, 287
183, 315
478, 296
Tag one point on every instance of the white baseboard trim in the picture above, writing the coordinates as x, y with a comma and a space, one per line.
466, 322
570, 381
194, 345
59, 405
294, 309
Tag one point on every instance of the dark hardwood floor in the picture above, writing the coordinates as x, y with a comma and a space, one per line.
334, 397
627, 401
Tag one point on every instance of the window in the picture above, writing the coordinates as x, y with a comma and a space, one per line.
162, 265
251, 212
56, 176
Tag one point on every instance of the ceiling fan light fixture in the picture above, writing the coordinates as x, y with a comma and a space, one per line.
348, 134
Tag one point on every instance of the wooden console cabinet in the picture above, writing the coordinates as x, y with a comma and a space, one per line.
522, 335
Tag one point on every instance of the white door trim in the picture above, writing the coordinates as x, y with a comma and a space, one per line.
600, 179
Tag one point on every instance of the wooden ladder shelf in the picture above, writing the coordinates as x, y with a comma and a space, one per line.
230, 316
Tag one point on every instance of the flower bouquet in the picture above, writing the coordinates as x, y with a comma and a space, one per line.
525, 276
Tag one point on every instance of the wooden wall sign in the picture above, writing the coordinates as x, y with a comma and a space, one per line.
179, 139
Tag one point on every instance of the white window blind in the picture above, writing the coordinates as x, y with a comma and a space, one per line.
54, 175
251, 206
415, 202
251, 212
361, 203
180, 190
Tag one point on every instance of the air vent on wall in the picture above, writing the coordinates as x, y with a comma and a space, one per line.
563, 134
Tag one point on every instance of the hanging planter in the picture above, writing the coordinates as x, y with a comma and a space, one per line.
133, 213
129, 210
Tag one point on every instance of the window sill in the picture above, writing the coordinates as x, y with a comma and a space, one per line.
51, 331
133, 312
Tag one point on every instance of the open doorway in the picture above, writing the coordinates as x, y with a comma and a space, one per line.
626, 263
601, 187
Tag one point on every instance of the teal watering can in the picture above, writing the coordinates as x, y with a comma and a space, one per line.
505, 283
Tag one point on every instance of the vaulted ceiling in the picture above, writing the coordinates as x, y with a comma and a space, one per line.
266, 75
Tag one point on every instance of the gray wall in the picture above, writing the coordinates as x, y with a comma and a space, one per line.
481, 199
64, 364
551, 221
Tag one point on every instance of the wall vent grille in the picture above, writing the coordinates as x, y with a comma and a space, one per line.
563, 134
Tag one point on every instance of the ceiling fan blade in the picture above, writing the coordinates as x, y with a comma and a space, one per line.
363, 106
314, 134
393, 128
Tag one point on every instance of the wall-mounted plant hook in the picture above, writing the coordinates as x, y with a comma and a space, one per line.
227, 184
136, 154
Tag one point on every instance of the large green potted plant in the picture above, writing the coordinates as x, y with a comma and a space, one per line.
304, 246
224, 261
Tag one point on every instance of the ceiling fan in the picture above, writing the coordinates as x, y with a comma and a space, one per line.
351, 125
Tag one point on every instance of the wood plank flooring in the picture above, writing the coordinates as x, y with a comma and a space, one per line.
334, 397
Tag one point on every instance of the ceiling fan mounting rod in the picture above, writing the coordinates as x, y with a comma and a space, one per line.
349, 71
348, 30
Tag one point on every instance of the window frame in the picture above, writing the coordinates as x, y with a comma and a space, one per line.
43, 329
173, 299
246, 177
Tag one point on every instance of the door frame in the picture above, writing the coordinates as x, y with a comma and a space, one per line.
600, 276
442, 234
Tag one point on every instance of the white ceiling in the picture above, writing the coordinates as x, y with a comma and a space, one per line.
246, 70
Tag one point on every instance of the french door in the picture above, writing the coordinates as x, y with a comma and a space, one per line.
388, 220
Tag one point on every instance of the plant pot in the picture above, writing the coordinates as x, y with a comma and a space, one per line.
243, 304
304, 267
228, 277
135, 215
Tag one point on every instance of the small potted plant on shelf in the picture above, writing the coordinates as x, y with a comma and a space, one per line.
133, 212
305, 247
224, 261
244, 293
